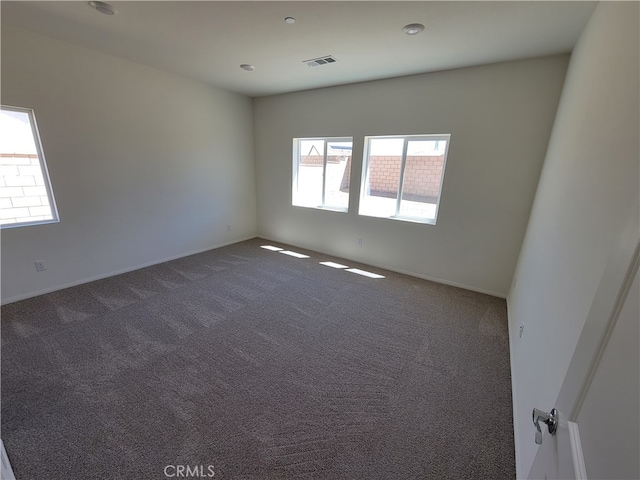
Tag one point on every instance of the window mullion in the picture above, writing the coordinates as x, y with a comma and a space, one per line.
324, 172
401, 180
296, 167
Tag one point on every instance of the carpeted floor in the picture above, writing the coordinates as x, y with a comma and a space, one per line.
251, 364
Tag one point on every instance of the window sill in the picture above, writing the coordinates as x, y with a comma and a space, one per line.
28, 224
424, 221
329, 209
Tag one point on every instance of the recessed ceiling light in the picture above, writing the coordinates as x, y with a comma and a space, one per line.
104, 8
413, 28
290, 20
247, 67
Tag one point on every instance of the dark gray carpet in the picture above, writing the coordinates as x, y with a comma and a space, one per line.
261, 365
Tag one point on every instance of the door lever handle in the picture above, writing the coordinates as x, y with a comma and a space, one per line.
551, 420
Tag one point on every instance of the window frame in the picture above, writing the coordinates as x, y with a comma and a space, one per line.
406, 139
296, 167
35, 133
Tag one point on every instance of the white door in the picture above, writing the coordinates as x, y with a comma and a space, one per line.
6, 472
599, 402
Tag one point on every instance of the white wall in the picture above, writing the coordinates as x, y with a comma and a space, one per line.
499, 117
588, 194
145, 165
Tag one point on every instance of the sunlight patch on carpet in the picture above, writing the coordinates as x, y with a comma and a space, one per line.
364, 273
333, 265
294, 254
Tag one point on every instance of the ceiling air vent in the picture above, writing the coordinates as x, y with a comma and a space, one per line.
316, 62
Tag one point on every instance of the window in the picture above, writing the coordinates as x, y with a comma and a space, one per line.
321, 172
402, 177
26, 197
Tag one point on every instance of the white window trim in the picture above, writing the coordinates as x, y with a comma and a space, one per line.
407, 138
43, 167
296, 165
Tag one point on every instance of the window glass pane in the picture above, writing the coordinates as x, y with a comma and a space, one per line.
24, 197
338, 173
380, 192
420, 160
310, 167
321, 178
422, 178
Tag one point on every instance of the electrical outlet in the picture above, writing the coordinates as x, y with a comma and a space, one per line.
521, 330
360, 242
40, 265
228, 228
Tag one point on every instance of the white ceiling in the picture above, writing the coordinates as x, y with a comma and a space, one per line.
208, 40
